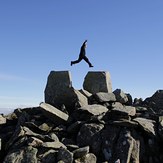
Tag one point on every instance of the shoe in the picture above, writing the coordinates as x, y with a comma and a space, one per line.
71, 63
91, 66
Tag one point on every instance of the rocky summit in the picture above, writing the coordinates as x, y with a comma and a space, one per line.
91, 125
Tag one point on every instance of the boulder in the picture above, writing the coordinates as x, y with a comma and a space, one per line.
94, 109
160, 129
126, 111
109, 135
155, 101
79, 153
87, 132
97, 81
147, 125
120, 96
49, 156
89, 158
65, 155
86, 112
59, 91
85, 93
53, 113
124, 146
26, 154
102, 97
2, 120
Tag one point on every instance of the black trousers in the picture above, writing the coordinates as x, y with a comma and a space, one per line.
80, 58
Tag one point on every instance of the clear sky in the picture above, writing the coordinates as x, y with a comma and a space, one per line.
125, 37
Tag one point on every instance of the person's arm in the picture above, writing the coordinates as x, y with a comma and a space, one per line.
84, 43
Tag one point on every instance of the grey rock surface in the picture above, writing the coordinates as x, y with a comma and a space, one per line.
81, 127
97, 81
53, 113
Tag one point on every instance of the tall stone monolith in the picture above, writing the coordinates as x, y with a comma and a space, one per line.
97, 81
59, 91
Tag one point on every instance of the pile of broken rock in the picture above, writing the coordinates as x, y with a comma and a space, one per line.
84, 126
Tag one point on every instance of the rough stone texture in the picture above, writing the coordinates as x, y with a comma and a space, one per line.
147, 125
89, 158
65, 155
81, 152
49, 156
124, 147
120, 96
97, 81
160, 129
2, 120
155, 101
27, 154
102, 97
94, 109
85, 93
104, 131
59, 91
53, 113
126, 110
87, 132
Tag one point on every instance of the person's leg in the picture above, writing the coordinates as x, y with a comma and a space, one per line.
87, 60
77, 61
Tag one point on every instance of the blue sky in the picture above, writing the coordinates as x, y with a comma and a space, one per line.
36, 36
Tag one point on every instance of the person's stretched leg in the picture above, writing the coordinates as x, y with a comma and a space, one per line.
77, 61
87, 60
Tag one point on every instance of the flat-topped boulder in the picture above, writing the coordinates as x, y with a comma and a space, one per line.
59, 91
97, 81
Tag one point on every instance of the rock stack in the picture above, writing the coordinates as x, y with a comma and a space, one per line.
91, 125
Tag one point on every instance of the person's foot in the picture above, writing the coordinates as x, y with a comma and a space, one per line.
91, 66
71, 63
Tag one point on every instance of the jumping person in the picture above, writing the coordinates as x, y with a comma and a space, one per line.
82, 55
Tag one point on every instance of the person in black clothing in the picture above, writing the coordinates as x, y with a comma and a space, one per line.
82, 55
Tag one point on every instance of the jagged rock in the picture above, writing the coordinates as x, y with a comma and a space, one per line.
53, 113
147, 125
79, 153
126, 111
49, 156
124, 123
124, 146
74, 128
135, 155
87, 132
59, 91
120, 96
103, 97
2, 120
138, 102
54, 145
155, 101
34, 142
94, 109
130, 100
113, 130
89, 158
65, 155
24, 131
99, 81
109, 136
26, 154
85, 93
0, 144
160, 129
140, 109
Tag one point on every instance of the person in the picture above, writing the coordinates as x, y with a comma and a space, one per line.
82, 55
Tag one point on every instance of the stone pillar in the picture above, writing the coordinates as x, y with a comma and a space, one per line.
59, 91
97, 81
